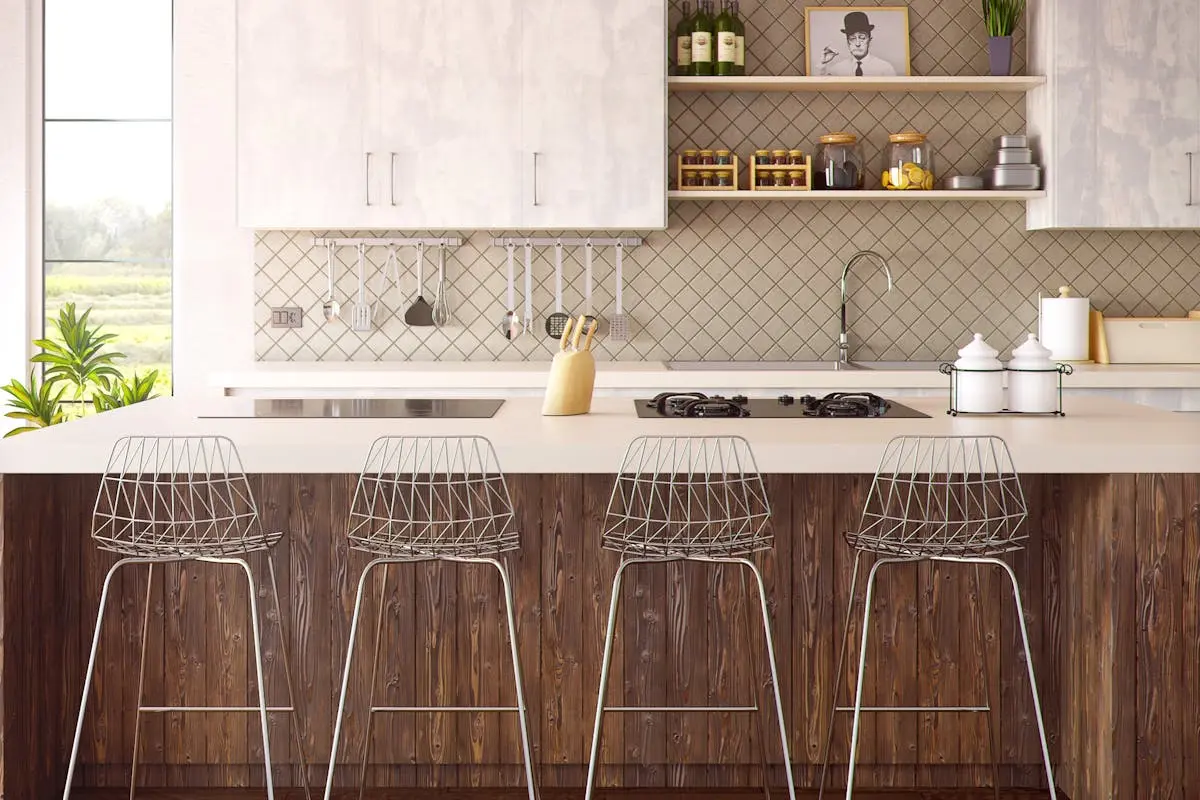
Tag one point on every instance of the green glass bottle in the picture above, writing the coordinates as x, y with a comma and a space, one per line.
726, 41
702, 41
683, 42
739, 27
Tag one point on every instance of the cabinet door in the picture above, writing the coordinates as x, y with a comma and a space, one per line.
301, 94
447, 95
594, 77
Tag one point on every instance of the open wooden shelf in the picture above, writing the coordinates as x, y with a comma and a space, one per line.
872, 194
903, 83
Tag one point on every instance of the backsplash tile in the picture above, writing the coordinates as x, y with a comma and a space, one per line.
759, 280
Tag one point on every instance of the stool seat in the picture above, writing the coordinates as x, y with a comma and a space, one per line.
193, 550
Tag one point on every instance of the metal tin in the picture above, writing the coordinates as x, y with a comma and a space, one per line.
1012, 140
964, 182
1015, 176
1014, 155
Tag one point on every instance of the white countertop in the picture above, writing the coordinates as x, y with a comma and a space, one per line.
1098, 435
473, 377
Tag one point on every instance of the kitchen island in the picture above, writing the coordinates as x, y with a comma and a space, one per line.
1110, 578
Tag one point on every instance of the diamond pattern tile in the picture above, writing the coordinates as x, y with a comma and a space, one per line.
759, 281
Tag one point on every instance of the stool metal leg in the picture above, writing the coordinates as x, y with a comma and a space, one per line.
862, 667
522, 709
362, 773
975, 591
837, 675
341, 710
258, 667
760, 717
613, 607
137, 717
287, 674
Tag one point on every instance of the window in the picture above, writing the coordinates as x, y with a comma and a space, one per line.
107, 171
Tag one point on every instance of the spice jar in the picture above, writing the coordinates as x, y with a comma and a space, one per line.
762, 157
724, 179
779, 158
796, 157
707, 157
706, 178
1032, 379
724, 157
978, 379
763, 178
690, 179
796, 179
690, 157
779, 177
909, 162
840, 162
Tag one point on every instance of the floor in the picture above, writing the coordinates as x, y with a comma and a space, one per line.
561, 794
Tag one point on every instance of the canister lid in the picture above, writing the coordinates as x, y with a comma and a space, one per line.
978, 355
839, 138
1032, 355
910, 137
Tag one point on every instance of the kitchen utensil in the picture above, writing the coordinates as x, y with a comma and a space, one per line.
527, 322
362, 309
587, 283
1032, 379
1063, 325
979, 387
331, 308
420, 313
964, 182
1097, 341
572, 375
587, 343
441, 306
557, 322
1015, 176
1152, 340
618, 329
510, 326
389, 268
1012, 140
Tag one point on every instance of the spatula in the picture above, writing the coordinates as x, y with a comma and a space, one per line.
556, 322
618, 329
420, 313
362, 309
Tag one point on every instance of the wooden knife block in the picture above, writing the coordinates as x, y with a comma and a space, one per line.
572, 379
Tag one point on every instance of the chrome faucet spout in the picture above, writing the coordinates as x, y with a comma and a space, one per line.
843, 338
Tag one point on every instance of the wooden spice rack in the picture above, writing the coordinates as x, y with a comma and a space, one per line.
756, 169
732, 169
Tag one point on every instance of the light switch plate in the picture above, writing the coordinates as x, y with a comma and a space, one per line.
287, 317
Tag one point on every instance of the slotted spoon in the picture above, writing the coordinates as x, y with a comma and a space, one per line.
420, 313
556, 322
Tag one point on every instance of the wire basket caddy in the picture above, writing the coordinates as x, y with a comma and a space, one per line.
177, 497
420, 498
943, 497
682, 497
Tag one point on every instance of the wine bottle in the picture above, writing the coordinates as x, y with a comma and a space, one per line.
726, 38
702, 41
683, 42
739, 27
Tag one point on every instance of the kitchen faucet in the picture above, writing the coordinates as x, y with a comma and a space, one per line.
843, 361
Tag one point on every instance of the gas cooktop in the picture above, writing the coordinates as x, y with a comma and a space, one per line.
836, 405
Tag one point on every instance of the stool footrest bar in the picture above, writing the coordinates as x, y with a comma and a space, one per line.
463, 709
214, 709
918, 708
677, 709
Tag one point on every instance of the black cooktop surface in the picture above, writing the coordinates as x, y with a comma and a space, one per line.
839, 405
372, 408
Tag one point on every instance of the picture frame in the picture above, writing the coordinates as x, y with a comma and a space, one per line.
857, 41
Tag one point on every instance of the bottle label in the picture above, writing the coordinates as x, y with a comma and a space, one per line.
683, 51
740, 60
726, 47
701, 47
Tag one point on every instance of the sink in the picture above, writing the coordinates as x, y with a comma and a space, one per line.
801, 366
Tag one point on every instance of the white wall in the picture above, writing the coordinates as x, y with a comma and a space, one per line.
214, 272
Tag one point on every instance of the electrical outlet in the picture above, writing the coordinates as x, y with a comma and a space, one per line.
287, 317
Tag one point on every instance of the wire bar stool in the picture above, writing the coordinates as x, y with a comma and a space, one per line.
697, 499
955, 499
426, 499
168, 499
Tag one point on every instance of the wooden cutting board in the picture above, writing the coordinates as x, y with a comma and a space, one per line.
1152, 340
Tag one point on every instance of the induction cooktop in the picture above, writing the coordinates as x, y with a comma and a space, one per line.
369, 408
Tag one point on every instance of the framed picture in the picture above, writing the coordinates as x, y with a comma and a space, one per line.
867, 41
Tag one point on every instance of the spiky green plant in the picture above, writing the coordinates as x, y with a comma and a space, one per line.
1002, 16
124, 391
37, 403
79, 354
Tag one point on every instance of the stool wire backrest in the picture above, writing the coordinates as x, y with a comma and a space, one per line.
163, 495
956, 495
426, 497
680, 496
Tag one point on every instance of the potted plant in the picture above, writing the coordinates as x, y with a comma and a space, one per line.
1001, 18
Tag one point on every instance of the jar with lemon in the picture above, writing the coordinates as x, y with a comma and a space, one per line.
909, 164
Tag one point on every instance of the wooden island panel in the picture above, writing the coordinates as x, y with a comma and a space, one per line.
1109, 580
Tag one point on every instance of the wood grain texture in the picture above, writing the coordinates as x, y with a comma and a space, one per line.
1109, 578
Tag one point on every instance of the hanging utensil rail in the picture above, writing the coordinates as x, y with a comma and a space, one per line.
574, 241
322, 241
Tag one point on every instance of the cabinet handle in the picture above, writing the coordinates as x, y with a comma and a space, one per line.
367, 179
1191, 182
535, 178
392, 175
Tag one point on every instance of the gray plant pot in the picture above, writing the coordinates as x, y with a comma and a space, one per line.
1000, 55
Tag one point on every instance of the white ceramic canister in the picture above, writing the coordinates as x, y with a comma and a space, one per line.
1032, 379
979, 379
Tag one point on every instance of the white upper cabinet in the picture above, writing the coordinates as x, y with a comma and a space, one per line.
301, 91
1118, 122
594, 86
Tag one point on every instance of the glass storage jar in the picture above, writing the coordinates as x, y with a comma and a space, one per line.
706, 158
909, 163
724, 157
691, 157
706, 179
840, 162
